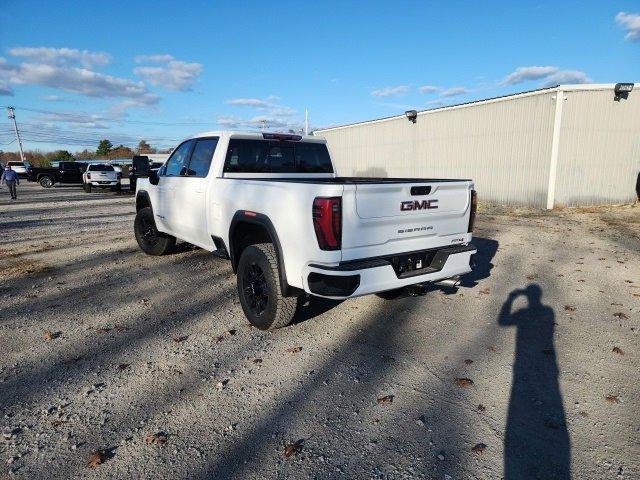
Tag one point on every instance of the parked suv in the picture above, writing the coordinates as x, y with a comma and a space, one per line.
19, 167
273, 205
101, 175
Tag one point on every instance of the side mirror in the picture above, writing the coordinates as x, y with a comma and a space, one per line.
154, 179
141, 166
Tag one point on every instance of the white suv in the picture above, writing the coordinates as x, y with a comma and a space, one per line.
19, 167
100, 175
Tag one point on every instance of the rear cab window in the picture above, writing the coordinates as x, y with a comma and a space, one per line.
273, 156
101, 168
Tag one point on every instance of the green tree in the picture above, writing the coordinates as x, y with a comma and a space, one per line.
63, 156
104, 147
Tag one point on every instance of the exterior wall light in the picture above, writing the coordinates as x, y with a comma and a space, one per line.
411, 115
622, 90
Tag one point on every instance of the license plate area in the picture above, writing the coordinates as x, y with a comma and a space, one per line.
415, 263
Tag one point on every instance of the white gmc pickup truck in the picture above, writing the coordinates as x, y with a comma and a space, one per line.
273, 205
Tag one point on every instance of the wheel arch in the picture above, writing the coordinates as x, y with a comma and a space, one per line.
250, 228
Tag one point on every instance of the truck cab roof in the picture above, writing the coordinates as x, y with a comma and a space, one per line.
296, 137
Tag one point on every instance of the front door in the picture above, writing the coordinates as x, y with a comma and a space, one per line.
191, 197
170, 180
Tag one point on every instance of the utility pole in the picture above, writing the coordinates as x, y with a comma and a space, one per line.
11, 113
306, 121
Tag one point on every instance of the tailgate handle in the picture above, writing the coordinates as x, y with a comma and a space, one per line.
422, 190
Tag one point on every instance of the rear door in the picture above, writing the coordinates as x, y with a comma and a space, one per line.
398, 217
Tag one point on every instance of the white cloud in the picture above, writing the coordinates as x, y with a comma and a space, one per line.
390, 91
153, 58
52, 98
61, 56
429, 89
631, 23
267, 104
171, 74
80, 80
524, 74
453, 92
549, 75
76, 80
565, 77
260, 121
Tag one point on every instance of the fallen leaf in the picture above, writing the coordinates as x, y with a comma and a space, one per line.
584, 414
618, 350
612, 399
530, 277
293, 448
257, 361
179, 339
96, 458
485, 291
121, 328
219, 338
570, 308
294, 349
123, 366
464, 382
621, 316
159, 438
230, 332
479, 448
49, 335
386, 400
468, 361
481, 408
103, 329
628, 281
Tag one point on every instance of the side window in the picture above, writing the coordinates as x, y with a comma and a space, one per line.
177, 163
201, 157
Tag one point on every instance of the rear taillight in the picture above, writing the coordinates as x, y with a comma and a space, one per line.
474, 208
327, 222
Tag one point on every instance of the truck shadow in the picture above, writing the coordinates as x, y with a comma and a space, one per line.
536, 443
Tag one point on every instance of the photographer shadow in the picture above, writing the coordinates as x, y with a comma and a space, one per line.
536, 443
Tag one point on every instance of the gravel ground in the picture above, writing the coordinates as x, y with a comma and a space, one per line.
529, 370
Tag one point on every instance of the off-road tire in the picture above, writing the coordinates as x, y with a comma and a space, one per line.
45, 181
391, 294
150, 240
278, 310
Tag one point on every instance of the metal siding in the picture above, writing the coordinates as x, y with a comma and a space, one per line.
503, 146
599, 156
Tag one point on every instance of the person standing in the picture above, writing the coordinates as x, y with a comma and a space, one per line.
11, 179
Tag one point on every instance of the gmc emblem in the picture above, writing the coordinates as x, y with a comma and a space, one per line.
418, 205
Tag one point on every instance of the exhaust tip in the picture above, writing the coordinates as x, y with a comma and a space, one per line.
449, 282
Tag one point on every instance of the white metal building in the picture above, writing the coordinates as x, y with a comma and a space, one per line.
567, 145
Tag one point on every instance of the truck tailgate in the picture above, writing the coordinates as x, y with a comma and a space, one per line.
390, 218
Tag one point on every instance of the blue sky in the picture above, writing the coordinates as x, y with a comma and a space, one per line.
80, 71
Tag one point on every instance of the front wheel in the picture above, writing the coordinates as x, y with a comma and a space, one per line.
87, 187
150, 240
46, 182
259, 289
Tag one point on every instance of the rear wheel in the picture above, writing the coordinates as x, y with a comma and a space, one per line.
150, 240
46, 182
259, 289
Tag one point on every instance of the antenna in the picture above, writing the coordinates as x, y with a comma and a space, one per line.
306, 121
